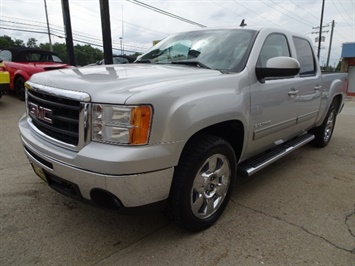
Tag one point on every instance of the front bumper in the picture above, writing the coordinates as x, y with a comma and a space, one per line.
89, 171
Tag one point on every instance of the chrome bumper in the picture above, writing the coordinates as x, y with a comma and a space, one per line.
132, 190
135, 177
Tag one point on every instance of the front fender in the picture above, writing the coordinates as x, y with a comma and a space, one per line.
192, 107
190, 115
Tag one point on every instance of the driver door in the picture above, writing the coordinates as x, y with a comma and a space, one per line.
274, 107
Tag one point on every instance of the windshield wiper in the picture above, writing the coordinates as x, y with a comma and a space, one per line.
191, 63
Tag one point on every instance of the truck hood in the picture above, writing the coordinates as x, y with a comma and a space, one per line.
116, 83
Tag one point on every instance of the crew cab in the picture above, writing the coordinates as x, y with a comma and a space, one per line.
178, 126
23, 62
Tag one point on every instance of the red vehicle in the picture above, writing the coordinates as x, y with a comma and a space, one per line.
23, 62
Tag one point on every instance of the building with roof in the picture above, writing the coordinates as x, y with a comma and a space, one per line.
348, 65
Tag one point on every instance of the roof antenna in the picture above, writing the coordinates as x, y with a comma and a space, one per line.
242, 24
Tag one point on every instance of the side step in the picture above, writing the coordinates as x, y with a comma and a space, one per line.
253, 165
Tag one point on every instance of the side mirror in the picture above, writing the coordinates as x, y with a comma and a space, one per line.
278, 67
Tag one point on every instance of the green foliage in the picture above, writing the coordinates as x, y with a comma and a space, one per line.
84, 54
59, 48
136, 54
32, 42
19, 43
6, 42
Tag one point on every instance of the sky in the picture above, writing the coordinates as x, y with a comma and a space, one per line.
136, 27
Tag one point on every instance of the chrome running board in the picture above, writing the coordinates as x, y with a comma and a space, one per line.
255, 164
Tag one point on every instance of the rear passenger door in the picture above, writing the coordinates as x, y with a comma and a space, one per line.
309, 84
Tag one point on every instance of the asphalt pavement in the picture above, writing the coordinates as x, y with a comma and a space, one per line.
298, 211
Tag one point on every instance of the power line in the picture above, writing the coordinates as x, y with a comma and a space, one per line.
131, 25
341, 14
61, 29
21, 26
155, 9
255, 13
304, 10
286, 14
345, 10
62, 37
228, 9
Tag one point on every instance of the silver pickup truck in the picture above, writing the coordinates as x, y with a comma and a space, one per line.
178, 126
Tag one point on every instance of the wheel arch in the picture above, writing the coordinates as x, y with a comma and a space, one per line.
19, 74
232, 131
337, 102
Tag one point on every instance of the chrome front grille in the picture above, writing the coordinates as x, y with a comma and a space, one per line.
60, 116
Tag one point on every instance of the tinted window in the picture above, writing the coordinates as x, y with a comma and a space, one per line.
275, 45
6, 55
305, 56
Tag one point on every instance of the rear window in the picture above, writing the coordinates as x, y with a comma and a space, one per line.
305, 56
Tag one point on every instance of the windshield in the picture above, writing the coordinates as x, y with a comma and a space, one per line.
215, 49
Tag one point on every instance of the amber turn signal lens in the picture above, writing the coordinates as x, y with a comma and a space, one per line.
140, 121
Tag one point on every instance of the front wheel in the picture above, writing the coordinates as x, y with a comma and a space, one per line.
203, 183
324, 132
20, 88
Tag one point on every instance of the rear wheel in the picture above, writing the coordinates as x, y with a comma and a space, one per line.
203, 183
324, 132
19, 86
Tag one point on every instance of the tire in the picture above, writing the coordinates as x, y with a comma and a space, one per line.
20, 88
324, 132
202, 184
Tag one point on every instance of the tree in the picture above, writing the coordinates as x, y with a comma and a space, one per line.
59, 48
19, 42
6, 42
86, 54
338, 67
32, 42
136, 54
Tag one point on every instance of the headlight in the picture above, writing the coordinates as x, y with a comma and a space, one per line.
116, 124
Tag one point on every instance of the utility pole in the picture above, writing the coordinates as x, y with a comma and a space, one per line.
320, 30
330, 43
49, 32
68, 32
106, 31
122, 50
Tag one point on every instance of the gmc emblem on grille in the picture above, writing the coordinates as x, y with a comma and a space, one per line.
40, 112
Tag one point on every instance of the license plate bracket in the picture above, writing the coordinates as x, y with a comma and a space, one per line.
39, 172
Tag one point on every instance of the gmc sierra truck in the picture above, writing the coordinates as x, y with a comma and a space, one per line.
181, 123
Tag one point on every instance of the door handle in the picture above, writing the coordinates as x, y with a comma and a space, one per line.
317, 88
292, 92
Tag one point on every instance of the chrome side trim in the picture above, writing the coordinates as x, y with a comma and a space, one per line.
260, 133
309, 116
